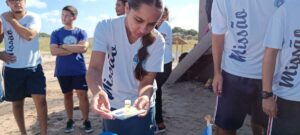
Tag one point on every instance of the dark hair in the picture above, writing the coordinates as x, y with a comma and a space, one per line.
147, 40
71, 9
123, 1
166, 11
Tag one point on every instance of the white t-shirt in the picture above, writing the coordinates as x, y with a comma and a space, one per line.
26, 52
244, 24
166, 30
121, 59
284, 33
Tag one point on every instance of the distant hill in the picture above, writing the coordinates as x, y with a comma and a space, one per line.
43, 34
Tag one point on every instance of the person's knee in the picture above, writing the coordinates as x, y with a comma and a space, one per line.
68, 95
18, 104
40, 100
223, 131
82, 95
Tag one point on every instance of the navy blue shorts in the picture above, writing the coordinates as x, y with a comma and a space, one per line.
69, 83
132, 126
288, 120
23, 82
240, 96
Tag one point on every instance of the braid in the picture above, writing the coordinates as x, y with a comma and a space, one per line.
139, 71
147, 40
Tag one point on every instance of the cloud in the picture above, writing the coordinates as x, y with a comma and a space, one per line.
88, 0
36, 3
92, 23
185, 16
52, 16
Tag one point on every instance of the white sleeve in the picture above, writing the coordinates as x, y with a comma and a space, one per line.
36, 23
166, 31
155, 60
274, 36
100, 38
219, 17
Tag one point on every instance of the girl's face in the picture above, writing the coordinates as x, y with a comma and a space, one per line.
142, 21
120, 8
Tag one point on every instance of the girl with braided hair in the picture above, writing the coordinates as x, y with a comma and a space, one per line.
127, 54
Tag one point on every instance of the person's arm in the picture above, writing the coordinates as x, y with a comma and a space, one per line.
269, 62
81, 47
145, 93
217, 52
1, 32
56, 50
7, 58
26, 33
94, 73
100, 103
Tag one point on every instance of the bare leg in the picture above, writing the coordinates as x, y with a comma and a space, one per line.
68, 99
257, 129
83, 103
42, 111
221, 131
18, 111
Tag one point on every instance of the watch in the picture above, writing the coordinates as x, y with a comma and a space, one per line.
266, 94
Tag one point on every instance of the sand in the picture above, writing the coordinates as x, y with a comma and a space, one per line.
184, 106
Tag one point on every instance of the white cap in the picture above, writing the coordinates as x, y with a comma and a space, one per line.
127, 102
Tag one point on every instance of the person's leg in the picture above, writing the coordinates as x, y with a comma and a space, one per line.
68, 101
288, 120
158, 102
231, 107
222, 131
15, 92
161, 78
83, 103
42, 111
1, 89
65, 83
18, 111
259, 119
257, 129
36, 87
80, 85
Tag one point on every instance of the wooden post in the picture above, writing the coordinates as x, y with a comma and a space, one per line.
204, 42
203, 22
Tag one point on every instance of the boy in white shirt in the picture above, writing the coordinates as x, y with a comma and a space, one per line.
23, 72
238, 28
281, 71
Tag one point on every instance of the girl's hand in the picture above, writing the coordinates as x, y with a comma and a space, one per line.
142, 103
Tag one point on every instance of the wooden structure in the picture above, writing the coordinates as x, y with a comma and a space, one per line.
204, 43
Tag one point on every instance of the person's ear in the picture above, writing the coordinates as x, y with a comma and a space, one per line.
126, 8
74, 18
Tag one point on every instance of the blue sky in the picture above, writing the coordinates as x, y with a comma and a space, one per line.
183, 13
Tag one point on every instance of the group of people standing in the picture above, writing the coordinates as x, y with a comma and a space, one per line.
255, 51
127, 54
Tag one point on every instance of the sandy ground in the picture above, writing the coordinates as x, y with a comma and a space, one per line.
184, 106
